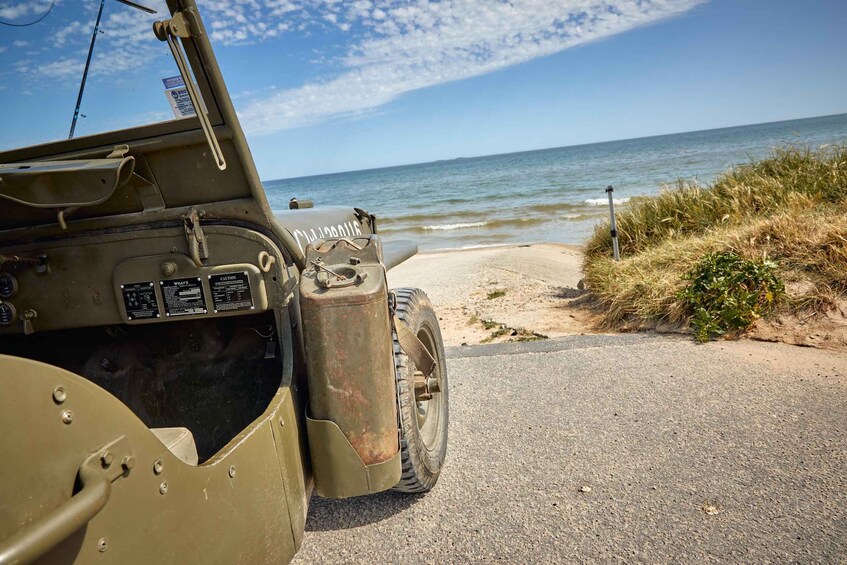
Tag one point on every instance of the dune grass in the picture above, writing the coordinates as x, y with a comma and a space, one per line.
789, 209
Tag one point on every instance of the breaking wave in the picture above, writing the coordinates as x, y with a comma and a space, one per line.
447, 227
604, 201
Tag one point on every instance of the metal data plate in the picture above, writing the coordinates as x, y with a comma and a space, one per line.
140, 301
231, 291
183, 297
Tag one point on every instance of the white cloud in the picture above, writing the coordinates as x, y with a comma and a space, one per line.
414, 44
73, 32
20, 9
126, 42
390, 47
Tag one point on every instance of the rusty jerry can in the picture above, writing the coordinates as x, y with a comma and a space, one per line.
352, 415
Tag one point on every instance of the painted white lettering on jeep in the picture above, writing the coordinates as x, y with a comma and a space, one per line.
308, 235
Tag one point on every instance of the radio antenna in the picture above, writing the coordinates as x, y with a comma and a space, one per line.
91, 50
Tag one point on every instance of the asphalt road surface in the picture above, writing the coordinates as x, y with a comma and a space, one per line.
725, 452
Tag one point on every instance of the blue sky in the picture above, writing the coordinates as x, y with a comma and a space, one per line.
325, 86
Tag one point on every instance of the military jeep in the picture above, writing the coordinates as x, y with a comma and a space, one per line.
182, 368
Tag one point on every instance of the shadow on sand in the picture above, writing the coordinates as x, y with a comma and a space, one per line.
326, 514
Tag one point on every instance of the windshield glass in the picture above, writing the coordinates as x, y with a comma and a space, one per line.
132, 79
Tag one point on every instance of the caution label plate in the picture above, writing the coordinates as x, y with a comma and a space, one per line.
231, 291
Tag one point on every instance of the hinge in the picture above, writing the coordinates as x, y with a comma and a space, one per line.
197, 247
181, 24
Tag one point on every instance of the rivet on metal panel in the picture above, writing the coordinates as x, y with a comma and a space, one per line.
102, 545
232, 471
158, 466
168, 268
281, 422
106, 458
163, 488
59, 395
67, 416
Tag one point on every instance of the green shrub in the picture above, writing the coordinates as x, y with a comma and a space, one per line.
728, 293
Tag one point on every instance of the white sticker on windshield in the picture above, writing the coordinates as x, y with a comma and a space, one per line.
173, 82
178, 97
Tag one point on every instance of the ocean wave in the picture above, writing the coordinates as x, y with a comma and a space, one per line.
487, 224
447, 227
483, 210
605, 201
581, 217
430, 216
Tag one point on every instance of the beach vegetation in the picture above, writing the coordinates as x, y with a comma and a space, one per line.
727, 293
490, 324
780, 222
514, 334
499, 293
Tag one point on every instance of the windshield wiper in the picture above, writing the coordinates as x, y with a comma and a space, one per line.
168, 30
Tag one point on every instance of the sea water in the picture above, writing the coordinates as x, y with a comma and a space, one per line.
545, 195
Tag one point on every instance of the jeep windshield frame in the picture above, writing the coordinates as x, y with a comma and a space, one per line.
175, 172
207, 77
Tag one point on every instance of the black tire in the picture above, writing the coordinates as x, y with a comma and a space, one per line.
423, 425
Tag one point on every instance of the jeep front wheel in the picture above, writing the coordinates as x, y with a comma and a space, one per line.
423, 403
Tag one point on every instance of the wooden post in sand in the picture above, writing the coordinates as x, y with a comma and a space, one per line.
609, 190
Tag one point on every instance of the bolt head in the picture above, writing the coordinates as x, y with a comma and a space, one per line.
128, 462
67, 416
163, 488
232, 471
102, 545
106, 458
59, 394
158, 466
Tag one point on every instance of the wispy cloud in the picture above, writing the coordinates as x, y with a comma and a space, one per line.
388, 47
408, 45
126, 42
15, 10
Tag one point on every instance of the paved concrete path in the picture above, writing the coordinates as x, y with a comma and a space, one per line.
725, 452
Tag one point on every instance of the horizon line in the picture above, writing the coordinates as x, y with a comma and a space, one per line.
462, 157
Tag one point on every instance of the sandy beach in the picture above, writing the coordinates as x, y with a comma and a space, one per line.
529, 292
504, 293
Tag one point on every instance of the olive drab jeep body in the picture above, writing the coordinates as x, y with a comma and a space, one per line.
180, 367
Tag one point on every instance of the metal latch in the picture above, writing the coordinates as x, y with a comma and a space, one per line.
197, 247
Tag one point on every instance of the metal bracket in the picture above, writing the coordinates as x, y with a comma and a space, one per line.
414, 348
364, 216
115, 458
197, 247
178, 25
118, 152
